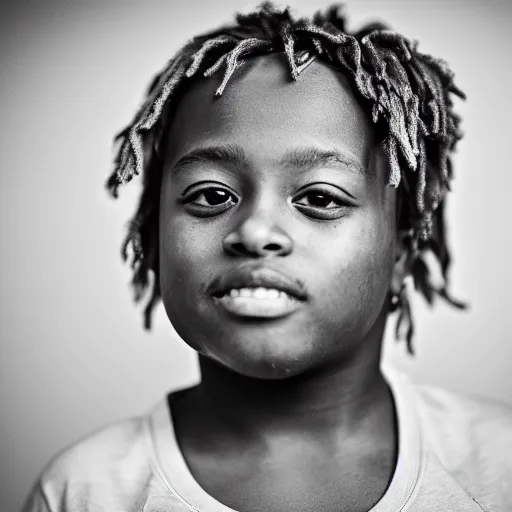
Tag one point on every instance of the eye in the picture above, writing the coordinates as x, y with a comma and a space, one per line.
210, 200
211, 197
320, 203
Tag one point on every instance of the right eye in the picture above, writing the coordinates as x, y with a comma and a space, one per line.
210, 200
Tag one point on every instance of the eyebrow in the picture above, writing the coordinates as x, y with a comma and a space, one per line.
300, 159
229, 154
311, 157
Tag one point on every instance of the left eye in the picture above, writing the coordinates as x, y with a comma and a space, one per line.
321, 200
322, 205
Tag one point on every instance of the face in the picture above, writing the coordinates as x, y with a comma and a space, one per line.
282, 179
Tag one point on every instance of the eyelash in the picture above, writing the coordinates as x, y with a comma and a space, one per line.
209, 210
319, 211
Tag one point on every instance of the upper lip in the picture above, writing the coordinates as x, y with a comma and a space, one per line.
256, 276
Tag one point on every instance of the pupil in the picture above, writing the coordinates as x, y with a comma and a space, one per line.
319, 200
215, 196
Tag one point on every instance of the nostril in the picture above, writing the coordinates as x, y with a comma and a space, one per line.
253, 250
238, 247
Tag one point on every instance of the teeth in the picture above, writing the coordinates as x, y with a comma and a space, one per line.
257, 293
273, 294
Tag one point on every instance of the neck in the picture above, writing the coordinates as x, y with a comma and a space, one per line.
344, 395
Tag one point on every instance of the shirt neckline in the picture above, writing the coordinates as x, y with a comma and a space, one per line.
174, 470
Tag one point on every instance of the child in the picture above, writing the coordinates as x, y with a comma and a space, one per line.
294, 182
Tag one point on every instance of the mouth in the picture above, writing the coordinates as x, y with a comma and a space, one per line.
258, 302
258, 292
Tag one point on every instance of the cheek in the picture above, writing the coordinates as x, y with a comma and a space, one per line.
184, 253
374, 263
184, 257
375, 247
361, 261
182, 241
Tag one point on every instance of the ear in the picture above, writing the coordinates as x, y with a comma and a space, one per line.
401, 266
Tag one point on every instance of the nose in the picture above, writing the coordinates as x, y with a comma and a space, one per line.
258, 236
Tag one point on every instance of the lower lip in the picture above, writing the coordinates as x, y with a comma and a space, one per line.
262, 308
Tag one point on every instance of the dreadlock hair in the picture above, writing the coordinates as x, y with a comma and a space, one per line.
406, 94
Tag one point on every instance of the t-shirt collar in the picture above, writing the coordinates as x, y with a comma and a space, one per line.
172, 467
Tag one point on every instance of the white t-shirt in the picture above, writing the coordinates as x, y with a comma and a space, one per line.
454, 454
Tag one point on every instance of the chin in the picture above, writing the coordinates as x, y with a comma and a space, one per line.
263, 361
264, 370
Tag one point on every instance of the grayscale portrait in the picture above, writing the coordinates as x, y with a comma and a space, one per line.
256, 256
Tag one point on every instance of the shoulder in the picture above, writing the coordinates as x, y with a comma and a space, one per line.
463, 415
472, 438
111, 445
107, 466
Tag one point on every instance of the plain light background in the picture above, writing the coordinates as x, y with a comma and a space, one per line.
74, 355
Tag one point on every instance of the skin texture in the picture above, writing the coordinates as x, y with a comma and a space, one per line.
291, 413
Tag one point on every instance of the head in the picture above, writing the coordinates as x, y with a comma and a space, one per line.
298, 148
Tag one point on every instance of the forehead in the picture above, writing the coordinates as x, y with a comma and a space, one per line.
265, 112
